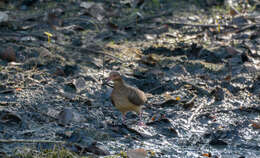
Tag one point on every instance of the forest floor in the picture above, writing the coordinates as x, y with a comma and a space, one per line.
197, 61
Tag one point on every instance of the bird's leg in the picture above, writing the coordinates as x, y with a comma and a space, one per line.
123, 118
141, 123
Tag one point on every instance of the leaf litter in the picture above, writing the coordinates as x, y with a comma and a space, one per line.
200, 71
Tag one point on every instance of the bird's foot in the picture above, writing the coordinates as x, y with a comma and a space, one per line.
141, 123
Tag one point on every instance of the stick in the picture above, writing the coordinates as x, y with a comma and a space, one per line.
197, 110
155, 88
250, 26
19, 34
202, 25
92, 51
7, 91
147, 18
30, 141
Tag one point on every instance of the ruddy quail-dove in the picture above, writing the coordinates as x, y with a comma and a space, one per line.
125, 97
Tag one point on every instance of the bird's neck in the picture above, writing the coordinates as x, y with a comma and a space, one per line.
118, 83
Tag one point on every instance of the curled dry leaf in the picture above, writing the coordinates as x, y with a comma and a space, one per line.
7, 117
137, 153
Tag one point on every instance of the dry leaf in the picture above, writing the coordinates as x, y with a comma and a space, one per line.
227, 78
167, 96
53, 20
137, 153
150, 59
178, 98
232, 51
8, 117
18, 89
59, 72
80, 84
66, 116
68, 133
8, 54
207, 154
256, 125
3, 17
86, 5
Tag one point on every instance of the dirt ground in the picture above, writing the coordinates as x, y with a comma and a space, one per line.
197, 61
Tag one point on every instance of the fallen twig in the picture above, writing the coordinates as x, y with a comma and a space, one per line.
30, 141
197, 111
155, 88
92, 51
7, 91
201, 91
189, 103
250, 26
147, 18
7, 103
202, 25
20, 34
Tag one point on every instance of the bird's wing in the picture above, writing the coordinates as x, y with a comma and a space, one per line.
136, 96
112, 101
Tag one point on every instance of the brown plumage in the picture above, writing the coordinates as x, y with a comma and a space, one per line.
125, 97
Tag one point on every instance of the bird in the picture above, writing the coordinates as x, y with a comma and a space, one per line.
125, 97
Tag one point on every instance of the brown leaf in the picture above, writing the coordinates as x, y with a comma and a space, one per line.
228, 78
150, 59
8, 54
137, 153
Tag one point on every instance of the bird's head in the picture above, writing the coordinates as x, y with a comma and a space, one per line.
114, 76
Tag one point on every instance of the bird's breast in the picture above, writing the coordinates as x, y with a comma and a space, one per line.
122, 102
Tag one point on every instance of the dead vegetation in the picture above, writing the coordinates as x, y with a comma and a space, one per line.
197, 62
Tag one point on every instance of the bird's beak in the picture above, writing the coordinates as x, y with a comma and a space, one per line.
107, 80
